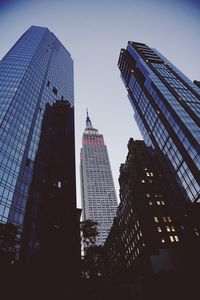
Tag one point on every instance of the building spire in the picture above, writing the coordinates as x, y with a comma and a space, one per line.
88, 121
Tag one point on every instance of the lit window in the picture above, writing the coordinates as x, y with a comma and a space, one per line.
169, 219
176, 238
163, 240
172, 228
171, 238
158, 202
164, 219
156, 219
143, 181
168, 228
159, 229
162, 202
59, 184
147, 195
151, 173
150, 203
147, 173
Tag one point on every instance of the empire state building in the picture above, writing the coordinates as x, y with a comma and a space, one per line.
99, 201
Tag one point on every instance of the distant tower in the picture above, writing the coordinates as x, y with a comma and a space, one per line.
99, 201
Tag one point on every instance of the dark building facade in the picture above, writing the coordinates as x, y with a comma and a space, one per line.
51, 237
167, 110
37, 70
154, 230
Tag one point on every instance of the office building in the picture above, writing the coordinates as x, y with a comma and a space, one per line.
166, 107
154, 230
99, 201
51, 237
37, 70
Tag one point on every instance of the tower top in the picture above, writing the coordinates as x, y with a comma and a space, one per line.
88, 121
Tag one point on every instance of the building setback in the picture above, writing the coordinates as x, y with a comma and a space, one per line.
51, 237
155, 229
99, 201
167, 110
37, 70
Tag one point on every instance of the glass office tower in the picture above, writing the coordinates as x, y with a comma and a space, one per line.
99, 201
167, 110
38, 69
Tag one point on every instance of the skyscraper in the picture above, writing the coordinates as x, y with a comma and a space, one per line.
152, 232
99, 201
167, 110
51, 236
37, 70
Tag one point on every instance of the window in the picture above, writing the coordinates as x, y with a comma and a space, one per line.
55, 91
163, 240
59, 184
168, 228
176, 238
159, 229
171, 238
156, 219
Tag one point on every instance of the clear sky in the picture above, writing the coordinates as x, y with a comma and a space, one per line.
94, 32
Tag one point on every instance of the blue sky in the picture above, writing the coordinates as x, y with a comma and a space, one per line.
94, 32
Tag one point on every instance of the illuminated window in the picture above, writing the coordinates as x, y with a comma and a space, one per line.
162, 202
156, 219
163, 240
159, 229
147, 195
169, 219
59, 184
164, 219
176, 238
168, 228
143, 181
151, 173
158, 202
147, 174
172, 228
171, 238
150, 203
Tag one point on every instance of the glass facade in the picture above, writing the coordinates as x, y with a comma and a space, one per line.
99, 201
167, 110
36, 71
